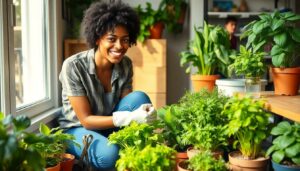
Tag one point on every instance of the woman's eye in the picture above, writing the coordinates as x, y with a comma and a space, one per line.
125, 40
111, 39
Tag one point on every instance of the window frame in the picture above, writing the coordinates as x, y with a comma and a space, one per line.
7, 88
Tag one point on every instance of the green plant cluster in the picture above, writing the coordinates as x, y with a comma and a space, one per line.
210, 50
205, 161
278, 29
249, 63
158, 158
204, 127
286, 145
248, 123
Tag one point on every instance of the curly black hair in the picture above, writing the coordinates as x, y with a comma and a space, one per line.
102, 17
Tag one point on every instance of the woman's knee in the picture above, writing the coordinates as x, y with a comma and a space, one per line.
105, 158
138, 97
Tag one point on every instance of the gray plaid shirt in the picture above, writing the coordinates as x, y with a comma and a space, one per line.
78, 78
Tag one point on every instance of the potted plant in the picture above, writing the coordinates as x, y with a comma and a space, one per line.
208, 52
204, 161
16, 149
175, 12
285, 151
205, 127
249, 125
151, 22
136, 135
279, 30
251, 65
149, 158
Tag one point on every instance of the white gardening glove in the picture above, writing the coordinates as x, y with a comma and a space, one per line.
141, 115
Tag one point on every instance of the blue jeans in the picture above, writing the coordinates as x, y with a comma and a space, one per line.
101, 154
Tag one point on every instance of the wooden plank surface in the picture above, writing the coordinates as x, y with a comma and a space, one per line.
286, 106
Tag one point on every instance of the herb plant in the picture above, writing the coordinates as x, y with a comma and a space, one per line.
248, 123
136, 135
286, 146
208, 51
205, 161
278, 29
158, 158
205, 127
249, 63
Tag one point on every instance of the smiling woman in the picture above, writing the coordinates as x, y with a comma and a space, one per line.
97, 83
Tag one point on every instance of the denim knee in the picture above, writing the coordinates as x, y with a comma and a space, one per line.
105, 158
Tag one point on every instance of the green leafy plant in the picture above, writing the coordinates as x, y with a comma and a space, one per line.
53, 152
136, 135
204, 127
249, 63
280, 31
210, 50
286, 146
16, 145
248, 124
149, 158
148, 17
205, 161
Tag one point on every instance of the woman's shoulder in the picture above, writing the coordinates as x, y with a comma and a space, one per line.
126, 61
79, 56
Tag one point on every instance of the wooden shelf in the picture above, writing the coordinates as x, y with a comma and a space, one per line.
235, 14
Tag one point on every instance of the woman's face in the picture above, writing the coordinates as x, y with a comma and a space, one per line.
114, 44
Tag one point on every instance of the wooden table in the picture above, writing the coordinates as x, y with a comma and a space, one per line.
286, 106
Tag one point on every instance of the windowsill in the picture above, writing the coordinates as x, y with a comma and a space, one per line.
45, 118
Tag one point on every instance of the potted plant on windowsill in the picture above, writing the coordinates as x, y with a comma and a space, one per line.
251, 65
285, 151
205, 127
208, 52
249, 125
279, 30
151, 22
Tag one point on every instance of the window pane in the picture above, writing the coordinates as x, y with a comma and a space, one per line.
29, 52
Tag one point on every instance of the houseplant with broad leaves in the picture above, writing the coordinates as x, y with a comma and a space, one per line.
278, 30
159, 157
285, 151
249, 125
252, 66
16, 145
151, 22
204, 128
209, 52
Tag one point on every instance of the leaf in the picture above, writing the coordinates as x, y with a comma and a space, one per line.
296, 160
271, 150
44, 129
21, 122
293, 150
282, 128
280, 39
286, 141
295, 33
278, 156
277, 24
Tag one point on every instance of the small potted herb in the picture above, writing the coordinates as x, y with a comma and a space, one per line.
251, 65
285, 151
249, 124
149, 158
279, 30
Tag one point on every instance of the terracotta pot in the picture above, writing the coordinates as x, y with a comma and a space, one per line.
54, 168
156, 30
286, 80
181, 156
67, 163
182, 166
182, 13
204, 81
238, 163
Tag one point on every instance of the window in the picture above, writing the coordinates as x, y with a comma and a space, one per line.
27, 61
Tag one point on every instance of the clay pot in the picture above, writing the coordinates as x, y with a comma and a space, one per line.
238, 163
204, 81
181, 156
286, 80
183, 166
156, 30
68, 162
54, 168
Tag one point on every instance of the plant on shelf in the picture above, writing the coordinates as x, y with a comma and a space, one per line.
16, 145
149, 158
175, 12
136, 135
208, 52
205, 127
249, 124
151, 22
278, 30
285, 151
